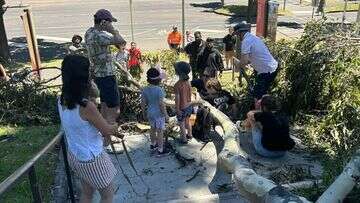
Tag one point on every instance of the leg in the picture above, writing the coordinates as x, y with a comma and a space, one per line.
182, 130
107, 194
160, 139
153, 138
87, 193
227, 59
188, 127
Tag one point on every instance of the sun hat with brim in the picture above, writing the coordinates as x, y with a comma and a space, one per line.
104, 14
242, 27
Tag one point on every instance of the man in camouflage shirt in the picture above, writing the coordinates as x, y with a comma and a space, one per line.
98, 40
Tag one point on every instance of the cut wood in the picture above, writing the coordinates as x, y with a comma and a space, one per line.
344, 183
233, 159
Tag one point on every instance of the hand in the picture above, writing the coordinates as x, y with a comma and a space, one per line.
109, 28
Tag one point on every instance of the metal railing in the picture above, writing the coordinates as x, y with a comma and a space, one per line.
29, 169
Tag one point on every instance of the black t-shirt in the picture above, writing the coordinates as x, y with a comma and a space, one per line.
200, 86
275, 132
229, 41
221, 100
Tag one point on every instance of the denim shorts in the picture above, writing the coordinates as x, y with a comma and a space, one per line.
259, 148
185, 113
109, 91
263, 82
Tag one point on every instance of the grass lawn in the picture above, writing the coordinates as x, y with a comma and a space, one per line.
241, 10
339, 7
14, 153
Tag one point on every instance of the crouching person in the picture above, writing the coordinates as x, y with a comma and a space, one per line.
270, 131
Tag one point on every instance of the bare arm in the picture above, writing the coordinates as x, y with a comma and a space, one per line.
244, 60
91, 114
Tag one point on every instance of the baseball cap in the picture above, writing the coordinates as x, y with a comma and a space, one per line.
104, 14
242, 27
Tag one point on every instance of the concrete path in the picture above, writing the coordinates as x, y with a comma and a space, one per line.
169, 181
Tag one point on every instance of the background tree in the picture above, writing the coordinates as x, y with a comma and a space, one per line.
4, 47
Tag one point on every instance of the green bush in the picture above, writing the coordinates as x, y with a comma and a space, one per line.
166, 58
27, 102
319, 85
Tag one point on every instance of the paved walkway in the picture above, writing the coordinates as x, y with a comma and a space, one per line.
168, 179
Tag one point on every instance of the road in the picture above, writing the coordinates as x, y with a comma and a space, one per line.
59, 20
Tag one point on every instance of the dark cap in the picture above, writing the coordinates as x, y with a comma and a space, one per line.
153, 74
209, 39
104, 14
242, 27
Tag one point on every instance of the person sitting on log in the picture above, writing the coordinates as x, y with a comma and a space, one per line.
270, 130
219, 98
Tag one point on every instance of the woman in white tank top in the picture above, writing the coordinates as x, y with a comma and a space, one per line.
85, 130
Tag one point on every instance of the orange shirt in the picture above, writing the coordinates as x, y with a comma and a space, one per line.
174, 38
183, 89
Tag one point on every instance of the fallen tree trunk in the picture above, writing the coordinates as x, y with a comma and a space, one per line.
234, 160
344, 183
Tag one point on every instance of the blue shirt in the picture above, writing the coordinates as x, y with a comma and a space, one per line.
153, 95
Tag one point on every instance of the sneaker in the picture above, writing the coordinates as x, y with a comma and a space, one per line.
163, 153
183, 141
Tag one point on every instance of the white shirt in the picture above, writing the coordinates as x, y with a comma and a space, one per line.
259, 55
84, 140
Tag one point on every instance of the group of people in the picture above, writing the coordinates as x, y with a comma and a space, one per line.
88, 130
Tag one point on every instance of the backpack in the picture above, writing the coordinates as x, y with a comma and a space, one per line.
202, 125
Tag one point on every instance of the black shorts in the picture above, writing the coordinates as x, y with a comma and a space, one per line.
263, 82
109, 91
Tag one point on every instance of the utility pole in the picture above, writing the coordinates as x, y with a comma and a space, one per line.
4, 47
183, 23
131, 20
358, 15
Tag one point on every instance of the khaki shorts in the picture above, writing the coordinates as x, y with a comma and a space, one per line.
229, 54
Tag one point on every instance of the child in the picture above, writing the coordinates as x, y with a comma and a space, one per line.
76, 47
219, 98
122, 57
270, 131
135, 61
152, 97
182, 100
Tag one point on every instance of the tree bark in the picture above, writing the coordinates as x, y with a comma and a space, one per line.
344, 183
234, 160
4, 47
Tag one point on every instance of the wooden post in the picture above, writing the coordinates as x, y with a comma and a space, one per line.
34, 185
32, 41
4, 47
